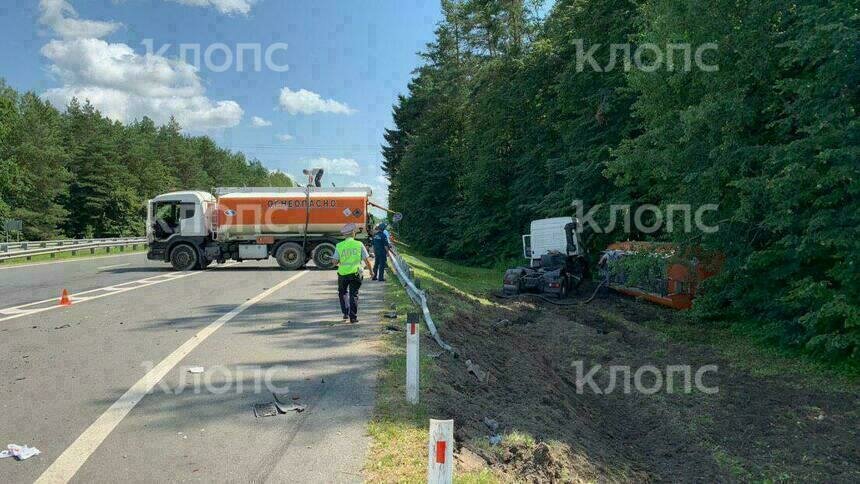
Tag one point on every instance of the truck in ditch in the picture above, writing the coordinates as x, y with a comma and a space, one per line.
192, 229
557, 259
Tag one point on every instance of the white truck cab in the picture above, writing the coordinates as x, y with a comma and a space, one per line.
186, 214
557, 259
550, 235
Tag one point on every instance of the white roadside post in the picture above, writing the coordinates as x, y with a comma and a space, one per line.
412, 328
440, 466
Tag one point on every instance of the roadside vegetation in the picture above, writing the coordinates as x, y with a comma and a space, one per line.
76, 174
779, 415
516, 113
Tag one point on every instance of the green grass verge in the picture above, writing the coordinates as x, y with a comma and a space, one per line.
81, 254
740, 345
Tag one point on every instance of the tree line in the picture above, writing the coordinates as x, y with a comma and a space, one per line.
77, 173
504, 123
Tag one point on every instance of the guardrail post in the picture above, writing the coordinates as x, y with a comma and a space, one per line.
440, 452
412, 363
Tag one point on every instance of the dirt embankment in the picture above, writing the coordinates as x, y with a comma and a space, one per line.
753, 428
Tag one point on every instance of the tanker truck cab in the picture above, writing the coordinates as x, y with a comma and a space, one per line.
178, 227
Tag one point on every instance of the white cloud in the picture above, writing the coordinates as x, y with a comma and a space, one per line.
259, 122
62, 18
284, 137
335, 166
307, 102
223, 6
382, 180
125, 85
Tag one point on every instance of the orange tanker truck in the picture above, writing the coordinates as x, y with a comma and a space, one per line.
192, 229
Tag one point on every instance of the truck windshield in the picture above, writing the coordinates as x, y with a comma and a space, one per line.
166, 218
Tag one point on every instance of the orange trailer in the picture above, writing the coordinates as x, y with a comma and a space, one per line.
680, 277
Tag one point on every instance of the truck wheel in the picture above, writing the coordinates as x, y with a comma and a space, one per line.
290, 256
183, 257
323, 256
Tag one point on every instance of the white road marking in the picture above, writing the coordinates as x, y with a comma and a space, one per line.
70, 461
22, 310
102, 268
73, 259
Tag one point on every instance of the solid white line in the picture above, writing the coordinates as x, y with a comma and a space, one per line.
70, 461
113, 266
72, 259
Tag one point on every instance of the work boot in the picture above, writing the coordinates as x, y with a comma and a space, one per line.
353, 320
373, 278
345, 317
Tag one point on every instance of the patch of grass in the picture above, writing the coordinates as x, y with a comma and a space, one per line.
473, 283
730, 464
519, 438
81, 254
760, 359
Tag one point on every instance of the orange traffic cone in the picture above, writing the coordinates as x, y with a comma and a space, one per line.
64, 300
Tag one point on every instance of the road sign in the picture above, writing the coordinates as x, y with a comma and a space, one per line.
11, 224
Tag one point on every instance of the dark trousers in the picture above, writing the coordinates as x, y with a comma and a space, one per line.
379, 264
349, 302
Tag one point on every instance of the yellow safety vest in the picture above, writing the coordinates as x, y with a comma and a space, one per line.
349, 251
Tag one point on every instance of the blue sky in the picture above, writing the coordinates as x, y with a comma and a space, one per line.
347, 61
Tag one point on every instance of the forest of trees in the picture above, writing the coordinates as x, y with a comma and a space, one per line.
500, 127
79, 174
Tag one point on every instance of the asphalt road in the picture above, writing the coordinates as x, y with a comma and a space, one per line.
21, 284
75, 380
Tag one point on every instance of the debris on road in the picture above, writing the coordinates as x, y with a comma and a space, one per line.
290, 408
19, 452
390, 314
282, 401
392, 328
265, 410
63, 326
196, 370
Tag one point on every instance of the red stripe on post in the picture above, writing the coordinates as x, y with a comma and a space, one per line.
440, 451
412, 328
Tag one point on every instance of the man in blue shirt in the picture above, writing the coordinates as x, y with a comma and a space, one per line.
381, 243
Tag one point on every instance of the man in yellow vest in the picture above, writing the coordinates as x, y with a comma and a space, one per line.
349, 254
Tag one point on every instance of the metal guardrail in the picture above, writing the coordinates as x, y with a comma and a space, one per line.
6, 247
406, 276
51, 247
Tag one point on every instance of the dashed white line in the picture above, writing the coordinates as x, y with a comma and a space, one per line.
70, 461
27, 309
